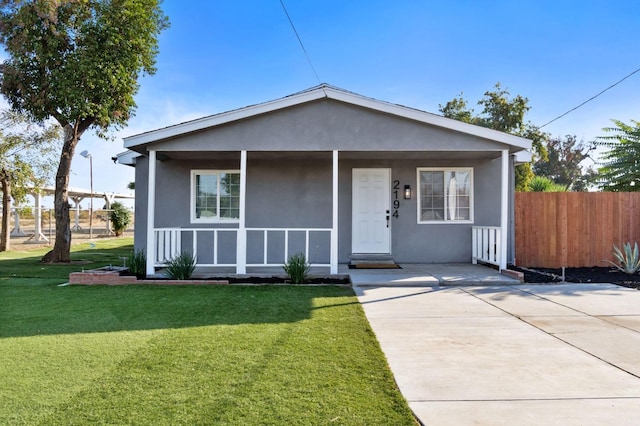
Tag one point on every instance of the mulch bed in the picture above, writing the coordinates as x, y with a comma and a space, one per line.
231, 279
280, 280
580, 275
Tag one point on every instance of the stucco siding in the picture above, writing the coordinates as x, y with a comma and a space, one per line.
293, 193
297, 193
412, 242
140, 204
326, 125
173, 197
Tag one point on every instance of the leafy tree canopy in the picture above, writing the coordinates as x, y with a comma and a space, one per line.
27, 153
27, 160
503, 113
77, 61
621, 169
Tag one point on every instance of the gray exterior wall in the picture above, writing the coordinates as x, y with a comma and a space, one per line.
298, 194
140, 204
424, 243
295, 191
326, 125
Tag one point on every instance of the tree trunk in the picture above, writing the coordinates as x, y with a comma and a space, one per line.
62, 247
5, 241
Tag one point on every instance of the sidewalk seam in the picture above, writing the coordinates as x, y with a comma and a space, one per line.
553, 335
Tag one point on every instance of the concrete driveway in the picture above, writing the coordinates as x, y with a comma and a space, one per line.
512, 355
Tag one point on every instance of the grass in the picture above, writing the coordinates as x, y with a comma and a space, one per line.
184, 355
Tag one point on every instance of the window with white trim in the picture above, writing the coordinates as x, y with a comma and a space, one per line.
445, 195
215, 195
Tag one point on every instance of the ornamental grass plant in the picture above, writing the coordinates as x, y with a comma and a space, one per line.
297, 268
181, 267
137, 263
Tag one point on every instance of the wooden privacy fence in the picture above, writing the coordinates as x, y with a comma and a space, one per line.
573, 229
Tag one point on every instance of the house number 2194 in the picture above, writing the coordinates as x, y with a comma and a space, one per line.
396, 201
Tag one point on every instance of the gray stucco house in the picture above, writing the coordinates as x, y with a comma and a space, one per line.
328, 173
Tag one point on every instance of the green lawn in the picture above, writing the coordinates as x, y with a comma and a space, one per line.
184, 355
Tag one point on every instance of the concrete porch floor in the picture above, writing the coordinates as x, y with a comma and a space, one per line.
428, 274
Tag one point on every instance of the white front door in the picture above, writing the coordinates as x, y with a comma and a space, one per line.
370, 210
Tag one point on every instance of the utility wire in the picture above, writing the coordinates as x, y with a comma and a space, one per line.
591, 98
300, 41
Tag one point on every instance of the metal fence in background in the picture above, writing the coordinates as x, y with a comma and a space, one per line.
24, 223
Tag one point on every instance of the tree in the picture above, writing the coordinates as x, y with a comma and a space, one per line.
77, 62
26, 160
500, 112
562, 164
620, 170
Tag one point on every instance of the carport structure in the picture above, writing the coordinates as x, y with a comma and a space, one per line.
76, 195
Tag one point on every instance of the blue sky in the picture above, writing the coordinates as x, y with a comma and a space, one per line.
220, 55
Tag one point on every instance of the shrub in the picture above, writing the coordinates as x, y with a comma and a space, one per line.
182, 266
137, 263
544, 184
297, 268
120, 217
627, 259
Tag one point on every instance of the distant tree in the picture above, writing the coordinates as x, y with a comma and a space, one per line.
621, 162
457, 109
27, 160
131, 185
588, 180
77, 62
500, 112
562, 165
120, 216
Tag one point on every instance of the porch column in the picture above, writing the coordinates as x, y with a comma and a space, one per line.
334, 225
151, 213
241, 245
504, 209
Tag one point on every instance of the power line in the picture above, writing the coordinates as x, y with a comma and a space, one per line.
300, 41
591, 98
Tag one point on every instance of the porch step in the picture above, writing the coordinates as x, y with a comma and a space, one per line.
363, 259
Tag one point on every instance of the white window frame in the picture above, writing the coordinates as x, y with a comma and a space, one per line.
444, 170
192, 203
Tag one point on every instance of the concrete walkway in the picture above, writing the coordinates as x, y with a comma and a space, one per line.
512, 355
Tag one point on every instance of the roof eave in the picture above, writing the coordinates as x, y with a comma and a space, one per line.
128, 158
325, 91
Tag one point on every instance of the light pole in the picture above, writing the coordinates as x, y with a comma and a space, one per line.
86, 154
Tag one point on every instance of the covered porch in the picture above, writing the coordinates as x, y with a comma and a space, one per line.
256, 247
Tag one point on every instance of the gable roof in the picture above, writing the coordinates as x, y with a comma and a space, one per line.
328, 92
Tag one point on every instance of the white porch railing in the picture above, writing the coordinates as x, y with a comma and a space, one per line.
168, 244
486, 246
285, 253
